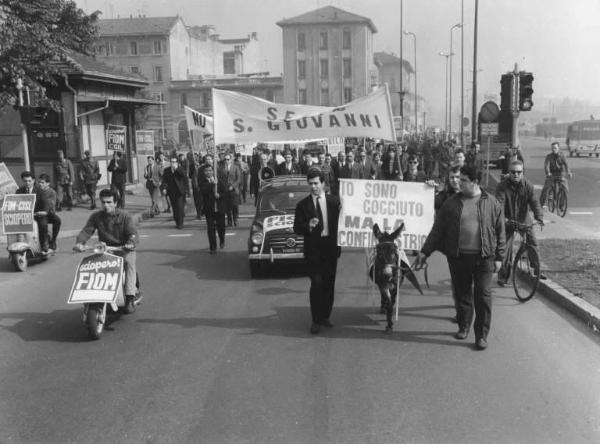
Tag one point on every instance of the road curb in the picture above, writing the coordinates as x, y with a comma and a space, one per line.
559, 295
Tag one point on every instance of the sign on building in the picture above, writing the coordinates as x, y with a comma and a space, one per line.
144, 142
116, 136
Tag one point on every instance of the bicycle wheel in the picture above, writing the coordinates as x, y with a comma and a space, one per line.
561, 202
550, 200
525, 273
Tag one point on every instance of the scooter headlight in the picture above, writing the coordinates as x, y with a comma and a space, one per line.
99, 248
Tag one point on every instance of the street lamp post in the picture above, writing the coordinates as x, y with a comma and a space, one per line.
458, 25
446, 96
23, 128
416, 100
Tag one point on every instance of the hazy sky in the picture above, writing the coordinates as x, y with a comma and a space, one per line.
557, 40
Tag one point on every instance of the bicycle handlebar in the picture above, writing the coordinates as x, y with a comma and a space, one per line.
521, 226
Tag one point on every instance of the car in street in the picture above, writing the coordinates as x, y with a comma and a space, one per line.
272, 239
583, 137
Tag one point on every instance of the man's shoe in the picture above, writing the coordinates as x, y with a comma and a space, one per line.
69, 208
93, 207
53, 245
222, 245
129, 304
481, 344
327, 323
315, 328
213, 251
543, 277
461, 334
501, 283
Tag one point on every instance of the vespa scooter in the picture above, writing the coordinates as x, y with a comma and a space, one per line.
24, 247
99, 284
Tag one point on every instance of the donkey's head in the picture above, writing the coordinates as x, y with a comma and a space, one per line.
386, 252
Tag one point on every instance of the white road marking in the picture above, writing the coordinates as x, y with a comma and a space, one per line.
180, 235
144, 235
230, 234
579, 213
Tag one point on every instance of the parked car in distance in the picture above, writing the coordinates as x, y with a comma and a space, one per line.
272, 239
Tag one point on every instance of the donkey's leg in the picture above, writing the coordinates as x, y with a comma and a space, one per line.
389, 308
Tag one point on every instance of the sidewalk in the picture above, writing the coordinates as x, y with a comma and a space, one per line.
558, 228
137, 204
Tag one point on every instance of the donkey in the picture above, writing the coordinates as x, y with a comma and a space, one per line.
389, 261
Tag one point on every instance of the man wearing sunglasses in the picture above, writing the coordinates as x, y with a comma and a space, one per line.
515, 194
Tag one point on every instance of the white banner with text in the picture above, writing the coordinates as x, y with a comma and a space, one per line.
242, 118
388, 204
198, 121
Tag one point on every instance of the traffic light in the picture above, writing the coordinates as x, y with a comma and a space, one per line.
525, 91
506, 82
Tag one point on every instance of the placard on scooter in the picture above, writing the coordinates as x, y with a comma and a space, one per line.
98, 278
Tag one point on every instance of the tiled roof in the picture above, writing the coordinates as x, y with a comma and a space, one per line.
82, 64
137, 25
384, 58
327, 15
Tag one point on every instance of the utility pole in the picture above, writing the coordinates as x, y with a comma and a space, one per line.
462, 73
474, 108
401, 92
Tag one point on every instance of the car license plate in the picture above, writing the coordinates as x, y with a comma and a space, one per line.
290, 250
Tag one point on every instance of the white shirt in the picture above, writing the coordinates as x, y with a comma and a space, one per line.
323, 204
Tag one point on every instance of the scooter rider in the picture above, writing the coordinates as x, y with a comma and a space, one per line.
44, 211
115, 228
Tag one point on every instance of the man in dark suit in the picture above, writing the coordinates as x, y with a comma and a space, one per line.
176, 182
118, 167
316, 218
230, 175
288, 167
213, 196
350, 169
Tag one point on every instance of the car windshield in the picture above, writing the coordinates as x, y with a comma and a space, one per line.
282, 201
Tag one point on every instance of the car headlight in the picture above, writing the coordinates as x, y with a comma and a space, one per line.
257, 237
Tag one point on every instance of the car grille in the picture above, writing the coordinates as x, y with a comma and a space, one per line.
282, 242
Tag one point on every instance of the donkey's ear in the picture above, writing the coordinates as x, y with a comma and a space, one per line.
376, 231
397, 231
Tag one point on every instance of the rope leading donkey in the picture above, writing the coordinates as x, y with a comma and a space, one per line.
389, 268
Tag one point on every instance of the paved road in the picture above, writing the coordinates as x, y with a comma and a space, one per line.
584, 188
215, 357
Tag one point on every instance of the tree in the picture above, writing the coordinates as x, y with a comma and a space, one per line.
36, 37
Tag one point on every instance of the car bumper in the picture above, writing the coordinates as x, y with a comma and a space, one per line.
272, 257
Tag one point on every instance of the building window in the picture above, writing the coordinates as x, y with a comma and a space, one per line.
324, 96
323, 40
229, 62
158, 47
301, 69
158, 74
183, 100
324, 68
269, 95
133, 48
110, 49
101, 50
301, 41
302, 96
135, 69
346, 39
206, 100
347, 68
347, 95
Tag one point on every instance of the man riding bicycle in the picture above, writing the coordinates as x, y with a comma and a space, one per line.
517, 198
554, 166
116, 229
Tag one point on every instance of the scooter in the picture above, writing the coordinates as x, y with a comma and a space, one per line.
24, 247
100, 287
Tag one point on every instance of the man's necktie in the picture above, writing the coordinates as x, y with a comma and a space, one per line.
320, 214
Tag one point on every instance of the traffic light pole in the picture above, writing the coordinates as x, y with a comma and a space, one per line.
515, 108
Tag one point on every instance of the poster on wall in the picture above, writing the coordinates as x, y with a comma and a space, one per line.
116, 136
144, 142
